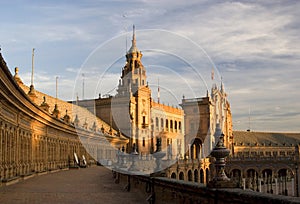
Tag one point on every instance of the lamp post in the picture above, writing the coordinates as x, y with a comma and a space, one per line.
297, 190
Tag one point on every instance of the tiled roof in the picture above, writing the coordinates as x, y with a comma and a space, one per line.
267, 138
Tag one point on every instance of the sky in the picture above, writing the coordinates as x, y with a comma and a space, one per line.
252, 46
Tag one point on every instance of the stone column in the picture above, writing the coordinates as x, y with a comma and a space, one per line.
244, 183
293, 185
276, 186
189, 151
259, 184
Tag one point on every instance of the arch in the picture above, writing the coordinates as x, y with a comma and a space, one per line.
156, 122
173, 175
201, 176
251, 173
206, 175
181, 176
190, 175
282, 173
196, 148
162, 123
196, 175
236, 173
267, 173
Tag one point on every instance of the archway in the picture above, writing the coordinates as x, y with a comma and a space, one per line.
201, 176
207, 175
284, 182
236, 174
181, 176
267, 180
196, 176
173, 175
190, 175
196, 148
252, 179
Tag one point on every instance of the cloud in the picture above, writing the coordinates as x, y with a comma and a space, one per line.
254, 45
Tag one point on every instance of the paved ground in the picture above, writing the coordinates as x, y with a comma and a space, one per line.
90, 185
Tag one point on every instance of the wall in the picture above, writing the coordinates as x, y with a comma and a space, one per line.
32, 140
164, 190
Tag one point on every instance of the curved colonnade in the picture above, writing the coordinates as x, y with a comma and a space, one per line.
32, 140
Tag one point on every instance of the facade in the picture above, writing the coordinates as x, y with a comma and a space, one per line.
134, 112
36, 138
267, 159
41, 133
205, 119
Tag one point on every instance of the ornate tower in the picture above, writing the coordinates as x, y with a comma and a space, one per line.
133, 73
134, 92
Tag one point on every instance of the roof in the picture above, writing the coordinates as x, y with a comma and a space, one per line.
274, 138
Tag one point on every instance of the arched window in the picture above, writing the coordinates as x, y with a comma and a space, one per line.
167, 123
162, 122
171, 124
207, 175
179, 125
201, 176
196, 175
181, 176
190, 177
175, 125
156, 122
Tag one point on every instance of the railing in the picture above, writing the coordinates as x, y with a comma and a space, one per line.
165, 190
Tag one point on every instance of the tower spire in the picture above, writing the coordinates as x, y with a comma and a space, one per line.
133, 36
222, 85
133, 44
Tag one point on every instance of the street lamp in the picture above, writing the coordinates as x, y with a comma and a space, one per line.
297, 190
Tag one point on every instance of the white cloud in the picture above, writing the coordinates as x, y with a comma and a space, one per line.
255, 45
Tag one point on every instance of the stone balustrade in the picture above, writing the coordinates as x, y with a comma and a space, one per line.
165, 190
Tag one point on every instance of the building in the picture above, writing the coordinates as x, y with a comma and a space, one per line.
265, 161
40, 134
134, 112
205, 119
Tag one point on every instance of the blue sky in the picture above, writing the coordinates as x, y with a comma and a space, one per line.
254, 45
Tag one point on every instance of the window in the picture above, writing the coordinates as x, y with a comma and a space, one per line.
175, 125
161, 122
171, 124
167, 123
144, 119
179, 125
144, 141
156, 122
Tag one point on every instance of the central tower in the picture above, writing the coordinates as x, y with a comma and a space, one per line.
133, 73
134, 92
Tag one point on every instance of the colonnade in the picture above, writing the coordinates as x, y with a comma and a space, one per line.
22, 151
